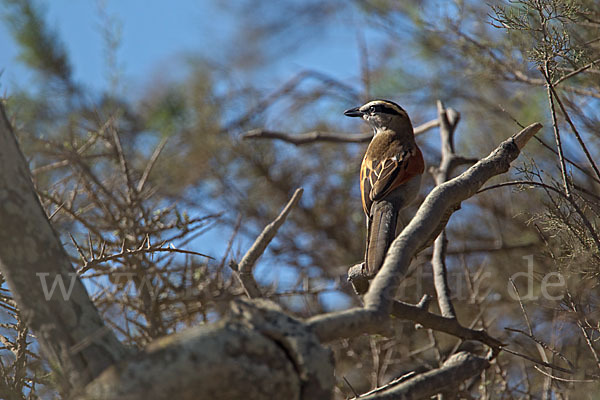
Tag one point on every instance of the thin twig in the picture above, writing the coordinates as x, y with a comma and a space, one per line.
563, 379
448, 120
308, 137
388, 385
590, 344
584, 219
577, 71
573, 163
285, 89
350, 386
539, 362
236, 228
321, 136
575, 131
543, 344
151, 163
512, 282
88, 264
561, 157
124, 165
364, 64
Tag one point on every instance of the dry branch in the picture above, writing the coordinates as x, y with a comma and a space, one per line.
450, 375
258, 352
439, 323
379, 301
442, 198
30, 249
94, 262
448, 121
320, 136
308, 137
245, 267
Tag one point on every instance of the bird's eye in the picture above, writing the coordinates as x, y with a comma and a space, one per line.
372, 109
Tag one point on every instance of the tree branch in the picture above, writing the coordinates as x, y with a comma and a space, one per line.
245, 267
320, 136
571, 201
30, 255
308, 137
256, 352
573, 128
379, 301
450, 375
448, 121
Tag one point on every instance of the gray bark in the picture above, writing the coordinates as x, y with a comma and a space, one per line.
256, 353
69, 329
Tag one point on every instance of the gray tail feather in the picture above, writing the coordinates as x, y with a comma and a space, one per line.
381, 235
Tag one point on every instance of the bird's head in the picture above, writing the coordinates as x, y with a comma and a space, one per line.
382, 115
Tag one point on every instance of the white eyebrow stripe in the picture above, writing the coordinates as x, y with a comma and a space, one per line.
385, 103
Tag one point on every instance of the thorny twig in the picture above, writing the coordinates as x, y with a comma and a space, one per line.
144, 248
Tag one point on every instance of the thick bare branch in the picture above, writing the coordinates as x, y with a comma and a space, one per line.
33, 260
258, 351
379, 300
442, 198
419, 130
451, 374
440, 323
356, 321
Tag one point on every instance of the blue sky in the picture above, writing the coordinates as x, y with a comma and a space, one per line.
155, 39
154, 33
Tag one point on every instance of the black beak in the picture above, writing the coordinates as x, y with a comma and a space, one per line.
353, 112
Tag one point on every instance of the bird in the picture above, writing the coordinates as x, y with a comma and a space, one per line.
390, 178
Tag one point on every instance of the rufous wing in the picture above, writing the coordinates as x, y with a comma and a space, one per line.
380, 177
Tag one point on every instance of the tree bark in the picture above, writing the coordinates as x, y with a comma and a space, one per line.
67, 325
258, 352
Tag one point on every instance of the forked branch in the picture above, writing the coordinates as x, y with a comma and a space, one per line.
379, 301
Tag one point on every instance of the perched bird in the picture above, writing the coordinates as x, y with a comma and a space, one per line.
390, 177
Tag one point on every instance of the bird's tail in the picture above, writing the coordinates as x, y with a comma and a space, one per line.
382, 232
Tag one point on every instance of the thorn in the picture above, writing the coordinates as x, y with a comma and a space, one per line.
79, 250
102, 249
91, 246
141, 246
